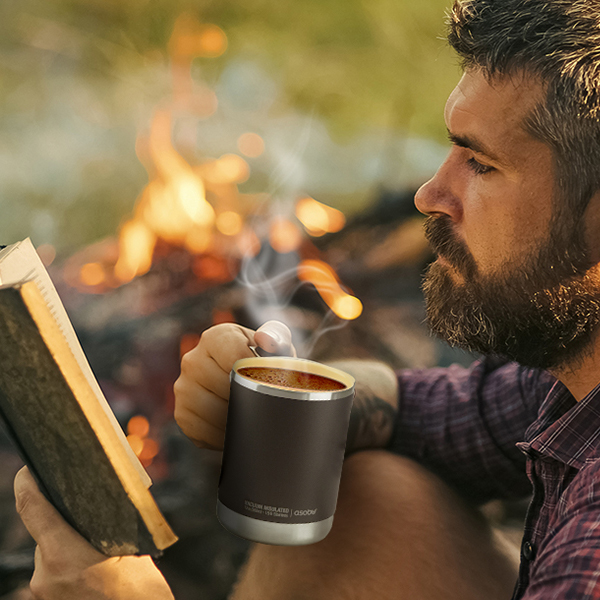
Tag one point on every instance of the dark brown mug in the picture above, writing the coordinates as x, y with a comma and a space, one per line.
283, 452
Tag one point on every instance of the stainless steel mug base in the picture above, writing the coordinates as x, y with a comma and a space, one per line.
268, 532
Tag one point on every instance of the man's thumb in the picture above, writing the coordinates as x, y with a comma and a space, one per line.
40, 518
276, 338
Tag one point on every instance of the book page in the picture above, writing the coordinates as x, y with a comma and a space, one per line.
20, 262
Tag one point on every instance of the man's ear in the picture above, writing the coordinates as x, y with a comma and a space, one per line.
592, 227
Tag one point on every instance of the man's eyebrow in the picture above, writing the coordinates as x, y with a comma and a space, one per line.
465, 141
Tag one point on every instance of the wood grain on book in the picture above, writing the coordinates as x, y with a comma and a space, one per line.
67, 437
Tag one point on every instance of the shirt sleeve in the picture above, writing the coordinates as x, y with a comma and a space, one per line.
567, 565
463, 423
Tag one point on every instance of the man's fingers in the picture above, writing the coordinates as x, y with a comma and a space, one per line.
200, 369
38, 515
276, 338
226, 344
42, 520
195, 402
46, 525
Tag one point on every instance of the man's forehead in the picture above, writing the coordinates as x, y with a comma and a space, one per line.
493, 111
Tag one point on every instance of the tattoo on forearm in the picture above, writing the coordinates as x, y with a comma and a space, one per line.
371, 421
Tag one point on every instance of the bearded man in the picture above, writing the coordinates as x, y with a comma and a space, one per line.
514, 216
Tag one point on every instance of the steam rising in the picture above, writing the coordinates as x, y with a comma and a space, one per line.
271, 279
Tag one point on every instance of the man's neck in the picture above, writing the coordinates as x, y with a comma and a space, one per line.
583, 376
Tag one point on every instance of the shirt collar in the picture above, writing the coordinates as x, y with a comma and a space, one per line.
566, 430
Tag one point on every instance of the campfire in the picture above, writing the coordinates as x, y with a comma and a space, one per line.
198, 207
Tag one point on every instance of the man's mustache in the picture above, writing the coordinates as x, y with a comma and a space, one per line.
444, 242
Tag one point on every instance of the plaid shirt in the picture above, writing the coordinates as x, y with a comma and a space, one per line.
495, 429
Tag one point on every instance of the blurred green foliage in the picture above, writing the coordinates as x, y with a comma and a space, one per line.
358, 62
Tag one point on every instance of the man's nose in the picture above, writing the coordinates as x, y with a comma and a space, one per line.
438, 196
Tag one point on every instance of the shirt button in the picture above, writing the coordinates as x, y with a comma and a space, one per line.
528, 551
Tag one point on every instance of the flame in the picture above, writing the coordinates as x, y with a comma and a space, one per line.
318, 218
284, 236
182, 190
230, 168
325, 279
189, 40
173, 206
198, 240
213, 41
136, 244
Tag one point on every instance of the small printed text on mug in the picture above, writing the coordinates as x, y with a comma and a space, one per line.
276, 511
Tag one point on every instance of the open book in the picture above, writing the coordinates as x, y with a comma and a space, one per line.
55, 412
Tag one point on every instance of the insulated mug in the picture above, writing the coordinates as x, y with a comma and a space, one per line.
283, 454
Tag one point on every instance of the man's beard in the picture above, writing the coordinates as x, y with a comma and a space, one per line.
541, 313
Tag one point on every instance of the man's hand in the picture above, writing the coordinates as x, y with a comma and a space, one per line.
202, 390
66, 565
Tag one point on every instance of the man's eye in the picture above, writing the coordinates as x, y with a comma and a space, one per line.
478, 168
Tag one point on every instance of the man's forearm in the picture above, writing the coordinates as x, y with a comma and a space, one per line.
375, 404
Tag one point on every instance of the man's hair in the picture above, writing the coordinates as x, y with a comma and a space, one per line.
558, 41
